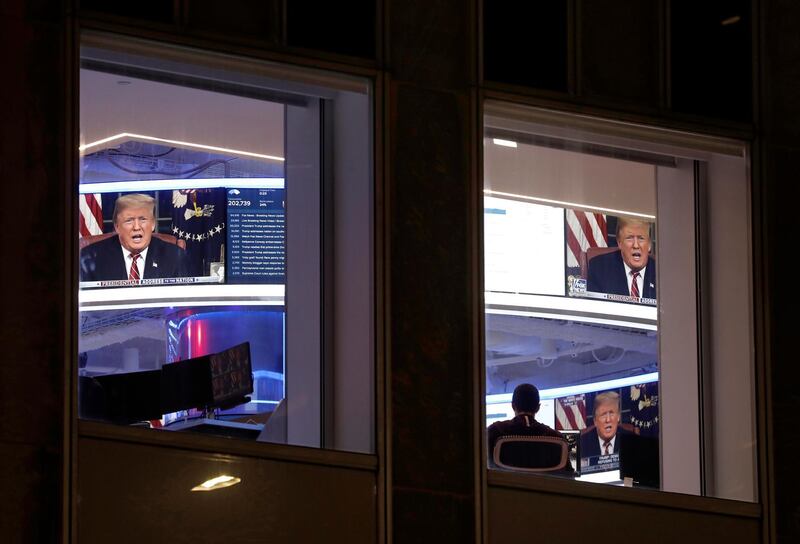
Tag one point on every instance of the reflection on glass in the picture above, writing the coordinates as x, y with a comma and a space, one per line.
180, 205
570, 277
190, 173
617, 274
219, 482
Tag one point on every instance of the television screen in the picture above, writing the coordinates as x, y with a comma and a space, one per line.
606, 418
546, 249
214, 231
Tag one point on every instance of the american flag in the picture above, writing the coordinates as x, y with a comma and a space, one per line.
571, 413
91, 216
584, 230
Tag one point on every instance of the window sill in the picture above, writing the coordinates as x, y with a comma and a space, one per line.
648, 497
212, 444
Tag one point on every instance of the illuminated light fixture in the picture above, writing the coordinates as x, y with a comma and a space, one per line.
504, 143
563, 204
121, 135
731, 20
217, 483
169, 184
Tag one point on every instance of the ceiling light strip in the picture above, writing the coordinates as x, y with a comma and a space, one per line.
179, 143
171, 184
565, 204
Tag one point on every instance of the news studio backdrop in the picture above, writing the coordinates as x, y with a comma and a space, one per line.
228, 209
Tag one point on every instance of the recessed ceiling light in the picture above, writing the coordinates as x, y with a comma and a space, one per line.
504, 143
178, 143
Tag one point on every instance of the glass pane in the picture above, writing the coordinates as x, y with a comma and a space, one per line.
535, 31
593, 315
711, 56
200, 179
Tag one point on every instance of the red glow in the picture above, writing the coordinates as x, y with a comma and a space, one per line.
197, 339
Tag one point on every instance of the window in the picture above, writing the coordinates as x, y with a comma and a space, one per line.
225, 229
617, 281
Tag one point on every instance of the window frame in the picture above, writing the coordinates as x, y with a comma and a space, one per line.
302, 74
647, 137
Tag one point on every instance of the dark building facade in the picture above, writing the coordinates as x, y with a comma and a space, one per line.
666, 63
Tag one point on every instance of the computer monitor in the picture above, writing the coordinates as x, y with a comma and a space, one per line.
639, 460
231, 375
121, 398
573, 438
219, 380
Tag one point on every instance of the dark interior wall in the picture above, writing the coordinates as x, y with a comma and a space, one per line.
777, 158
34, 300
432, 358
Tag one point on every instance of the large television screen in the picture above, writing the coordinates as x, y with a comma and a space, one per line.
221, 231
604, 417
543, 248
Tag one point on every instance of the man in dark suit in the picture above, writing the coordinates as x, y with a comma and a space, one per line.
602, 439
631, 271
525, 403
133, 253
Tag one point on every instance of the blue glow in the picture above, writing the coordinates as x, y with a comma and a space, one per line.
578, 389
165, 184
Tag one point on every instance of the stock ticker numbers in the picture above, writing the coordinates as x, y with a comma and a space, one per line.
256, 251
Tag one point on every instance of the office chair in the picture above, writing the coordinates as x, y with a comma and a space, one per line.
531, 453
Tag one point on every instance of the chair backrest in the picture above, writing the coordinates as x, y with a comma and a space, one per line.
531, 453
590, 254
168, 238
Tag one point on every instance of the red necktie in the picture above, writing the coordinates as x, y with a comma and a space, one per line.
134, 274
634, 285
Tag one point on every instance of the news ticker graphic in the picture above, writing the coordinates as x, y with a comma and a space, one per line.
150, 281
256, 248
577, 288
621, 298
